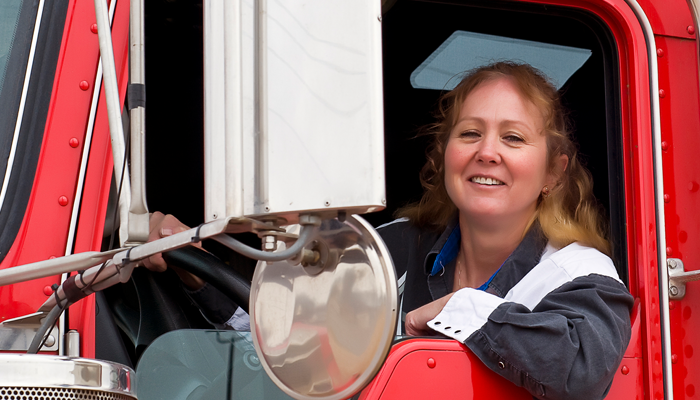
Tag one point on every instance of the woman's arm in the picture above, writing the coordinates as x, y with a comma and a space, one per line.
567, 347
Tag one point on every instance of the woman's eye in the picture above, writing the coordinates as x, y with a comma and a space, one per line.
514, 139
469, 134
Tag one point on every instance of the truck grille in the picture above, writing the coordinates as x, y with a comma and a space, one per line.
37, 393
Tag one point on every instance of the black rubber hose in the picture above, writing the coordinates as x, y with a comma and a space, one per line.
213, 271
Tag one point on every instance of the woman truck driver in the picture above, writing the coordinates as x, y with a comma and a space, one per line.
506, 251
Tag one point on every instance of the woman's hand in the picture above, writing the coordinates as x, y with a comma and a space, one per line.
162, 226
417, 320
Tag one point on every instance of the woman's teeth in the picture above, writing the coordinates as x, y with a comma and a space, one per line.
486, 181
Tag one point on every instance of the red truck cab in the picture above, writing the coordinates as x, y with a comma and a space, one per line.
634, 105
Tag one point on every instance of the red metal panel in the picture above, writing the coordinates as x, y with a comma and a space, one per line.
628, 383
680, 128
97, 180
44, 230
669, 17
438, 369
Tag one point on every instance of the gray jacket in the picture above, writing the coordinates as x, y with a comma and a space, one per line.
554, 321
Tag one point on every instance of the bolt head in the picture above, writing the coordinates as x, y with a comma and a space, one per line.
50, 341
674, 291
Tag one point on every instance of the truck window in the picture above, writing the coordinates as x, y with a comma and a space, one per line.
414, 31
27, 66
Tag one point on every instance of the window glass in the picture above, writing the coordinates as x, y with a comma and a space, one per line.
464, 51
18, 27
9, 17
201, 364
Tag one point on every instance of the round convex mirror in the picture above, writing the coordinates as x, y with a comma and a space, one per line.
322, 329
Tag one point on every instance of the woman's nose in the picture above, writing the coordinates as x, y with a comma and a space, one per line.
488, 151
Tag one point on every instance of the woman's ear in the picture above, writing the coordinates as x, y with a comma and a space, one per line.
560, 165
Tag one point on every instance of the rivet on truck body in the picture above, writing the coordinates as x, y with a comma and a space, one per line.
662, 93
84, 85
660, 52
431, 363
674, 358
664, 145
93, 28
690, 29
63, 201
47, 290
73, 142
625, 370
667, 198
669, 251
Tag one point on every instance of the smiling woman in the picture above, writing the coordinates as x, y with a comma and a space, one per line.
506, 251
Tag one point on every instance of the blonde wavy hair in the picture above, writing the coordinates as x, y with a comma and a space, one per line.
569, 214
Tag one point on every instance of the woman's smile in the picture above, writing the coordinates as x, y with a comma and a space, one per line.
483, 180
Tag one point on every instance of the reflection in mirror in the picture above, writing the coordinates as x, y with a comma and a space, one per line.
322, 331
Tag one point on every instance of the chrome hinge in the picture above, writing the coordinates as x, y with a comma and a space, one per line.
677, 278
16, 334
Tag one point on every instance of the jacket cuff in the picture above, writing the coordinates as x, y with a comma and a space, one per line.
465, 313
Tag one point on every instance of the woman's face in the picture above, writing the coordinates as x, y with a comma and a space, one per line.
496, 156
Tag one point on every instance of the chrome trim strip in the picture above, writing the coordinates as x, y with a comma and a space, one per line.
659, 189
87, 143
114, 113
262, 199
22, 103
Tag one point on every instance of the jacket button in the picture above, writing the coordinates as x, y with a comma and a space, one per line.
501, 365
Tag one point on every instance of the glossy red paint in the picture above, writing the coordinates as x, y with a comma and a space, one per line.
44, 230
680, 124
669, 17
456, 374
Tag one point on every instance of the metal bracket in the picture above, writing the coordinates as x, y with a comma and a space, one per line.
678, 277
17, 333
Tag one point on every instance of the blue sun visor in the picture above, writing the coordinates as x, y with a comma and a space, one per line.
464, 51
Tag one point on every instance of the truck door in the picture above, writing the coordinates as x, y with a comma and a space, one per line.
614, 103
